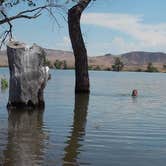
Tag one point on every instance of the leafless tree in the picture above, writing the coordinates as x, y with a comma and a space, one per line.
32, 11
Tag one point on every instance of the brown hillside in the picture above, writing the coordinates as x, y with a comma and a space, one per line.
132, 60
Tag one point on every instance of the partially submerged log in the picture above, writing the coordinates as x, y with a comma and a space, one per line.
28, 75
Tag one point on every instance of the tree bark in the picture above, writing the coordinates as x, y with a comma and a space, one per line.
28, 75
81, 60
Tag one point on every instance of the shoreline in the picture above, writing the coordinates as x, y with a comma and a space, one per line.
136, 71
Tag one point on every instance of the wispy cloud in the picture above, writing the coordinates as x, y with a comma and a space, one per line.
144, 34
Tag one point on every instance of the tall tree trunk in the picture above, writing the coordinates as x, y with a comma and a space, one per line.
80, 52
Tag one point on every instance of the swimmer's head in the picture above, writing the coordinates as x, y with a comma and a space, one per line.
134, 93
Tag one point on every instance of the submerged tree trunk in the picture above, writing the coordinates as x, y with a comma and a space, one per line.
28, 75
80, 52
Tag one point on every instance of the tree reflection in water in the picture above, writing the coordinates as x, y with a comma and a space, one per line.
78, 129
25, 138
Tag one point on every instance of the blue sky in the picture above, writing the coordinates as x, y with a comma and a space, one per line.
108, 26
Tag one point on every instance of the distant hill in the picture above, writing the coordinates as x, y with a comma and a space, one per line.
142, 58
53, 55
132, 60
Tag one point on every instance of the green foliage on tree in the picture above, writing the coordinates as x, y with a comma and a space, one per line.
139, 70
4, 83
151, 68
47, 63
97, 68
90, 67
108, 69
64, 64
60, 64
118, 65
57, 64
164, 66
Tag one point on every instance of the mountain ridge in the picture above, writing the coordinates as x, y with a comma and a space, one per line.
132, 60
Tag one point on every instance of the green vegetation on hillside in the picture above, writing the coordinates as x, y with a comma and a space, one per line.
97, 68
57, 64
60, 64
164, 66
47, 63
151, 68
118, 65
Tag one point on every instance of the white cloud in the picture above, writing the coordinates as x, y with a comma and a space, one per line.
120, 45
145, 35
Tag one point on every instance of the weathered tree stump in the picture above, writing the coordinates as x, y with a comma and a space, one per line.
28, 75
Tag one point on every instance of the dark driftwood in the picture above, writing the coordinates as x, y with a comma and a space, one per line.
28, 75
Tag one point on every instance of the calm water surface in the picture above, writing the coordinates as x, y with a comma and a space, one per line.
108, 127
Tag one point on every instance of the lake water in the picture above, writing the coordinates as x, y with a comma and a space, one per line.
106, 128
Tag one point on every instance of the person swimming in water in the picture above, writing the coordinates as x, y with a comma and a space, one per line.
135, 93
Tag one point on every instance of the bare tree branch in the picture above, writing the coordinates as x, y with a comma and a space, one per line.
7, 32
24, 13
